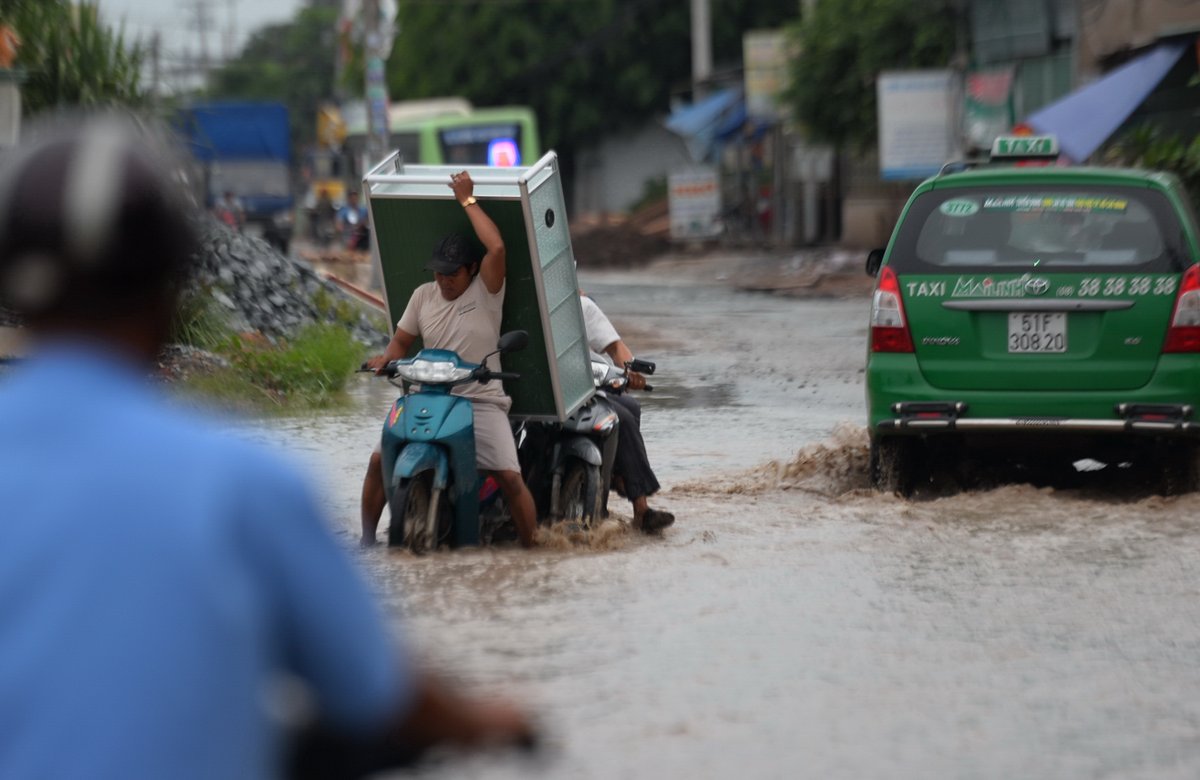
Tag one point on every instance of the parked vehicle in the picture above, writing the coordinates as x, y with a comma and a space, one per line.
428, 449
1041, 315
244, 148
568, 466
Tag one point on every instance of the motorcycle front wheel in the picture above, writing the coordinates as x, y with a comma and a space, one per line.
580, 495
419, 519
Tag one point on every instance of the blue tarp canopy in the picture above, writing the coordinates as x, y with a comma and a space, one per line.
230, 130
1086, 118
702, 123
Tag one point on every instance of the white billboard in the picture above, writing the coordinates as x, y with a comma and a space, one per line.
765, 61
694, 203
917, 112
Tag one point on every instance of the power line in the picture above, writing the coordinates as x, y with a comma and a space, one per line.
230, 30
201, 21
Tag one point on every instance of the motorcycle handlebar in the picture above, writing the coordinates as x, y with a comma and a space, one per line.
641, 366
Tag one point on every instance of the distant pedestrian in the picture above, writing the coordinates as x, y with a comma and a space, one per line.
351, 223
158, 581
229, 210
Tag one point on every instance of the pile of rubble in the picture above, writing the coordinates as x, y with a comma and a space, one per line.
263, 291
621, 241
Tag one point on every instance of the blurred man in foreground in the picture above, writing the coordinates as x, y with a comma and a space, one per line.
157, 580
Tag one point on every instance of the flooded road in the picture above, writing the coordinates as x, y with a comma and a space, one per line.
794, 623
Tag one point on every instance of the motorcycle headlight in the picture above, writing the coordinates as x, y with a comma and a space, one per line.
439, 371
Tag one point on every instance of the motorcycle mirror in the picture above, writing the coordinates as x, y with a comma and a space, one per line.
874, 261
513, 341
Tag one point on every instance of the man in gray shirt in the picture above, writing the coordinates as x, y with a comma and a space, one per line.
461, 310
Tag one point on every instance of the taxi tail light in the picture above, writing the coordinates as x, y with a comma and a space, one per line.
889, 327
1184, 333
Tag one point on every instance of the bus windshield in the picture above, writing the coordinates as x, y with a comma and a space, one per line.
501, 136
496, 144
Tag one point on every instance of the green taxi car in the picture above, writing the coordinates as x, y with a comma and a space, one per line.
1041, 315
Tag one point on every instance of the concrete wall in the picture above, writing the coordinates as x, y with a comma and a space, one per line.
867, 222
1112, 27
612, 175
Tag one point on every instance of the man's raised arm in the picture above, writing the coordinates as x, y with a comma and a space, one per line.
493, 267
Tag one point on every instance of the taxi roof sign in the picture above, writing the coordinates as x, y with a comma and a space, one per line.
1011, 146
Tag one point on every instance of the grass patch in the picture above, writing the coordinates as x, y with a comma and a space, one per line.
309, 371
653, 191
199, 322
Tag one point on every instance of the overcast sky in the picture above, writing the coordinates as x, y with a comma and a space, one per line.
229, 23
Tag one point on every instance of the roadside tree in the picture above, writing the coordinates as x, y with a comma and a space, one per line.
292, 63
1150, 146
71, 57
586, 69
844, 44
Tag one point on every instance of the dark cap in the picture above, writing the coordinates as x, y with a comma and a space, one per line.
450, 254
91, 219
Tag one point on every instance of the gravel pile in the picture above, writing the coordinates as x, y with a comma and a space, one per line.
264, 291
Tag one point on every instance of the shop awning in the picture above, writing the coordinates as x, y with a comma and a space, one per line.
1087, 117
700, 122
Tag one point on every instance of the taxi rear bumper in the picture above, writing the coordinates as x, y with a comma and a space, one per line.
1157, 427
901, 401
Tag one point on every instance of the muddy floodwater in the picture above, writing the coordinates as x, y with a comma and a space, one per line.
794, 623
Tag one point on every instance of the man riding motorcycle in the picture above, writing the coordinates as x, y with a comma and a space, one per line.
460, 311
632, 475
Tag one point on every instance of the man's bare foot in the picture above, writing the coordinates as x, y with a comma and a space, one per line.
367, 541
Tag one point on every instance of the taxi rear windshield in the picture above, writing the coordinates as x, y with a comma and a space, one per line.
1051, 228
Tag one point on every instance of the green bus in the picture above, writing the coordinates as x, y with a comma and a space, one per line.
449, 131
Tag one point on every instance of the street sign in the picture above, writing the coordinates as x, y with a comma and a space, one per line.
694, 203
917, 122
1025, 146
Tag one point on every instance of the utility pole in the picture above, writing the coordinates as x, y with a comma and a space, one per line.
376, 47
701, 48
230, 31
155, 67
200, 23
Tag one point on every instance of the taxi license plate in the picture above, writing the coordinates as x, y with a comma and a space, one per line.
1037, 332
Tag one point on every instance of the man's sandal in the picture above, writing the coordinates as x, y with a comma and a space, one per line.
655, 520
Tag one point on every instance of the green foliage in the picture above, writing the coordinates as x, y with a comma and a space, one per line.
337, 308
653, 191
198, 322
843, 47
586, 68
291, 63
310, 370
1147, 146
70, 57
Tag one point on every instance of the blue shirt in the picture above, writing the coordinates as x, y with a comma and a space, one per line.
155, 577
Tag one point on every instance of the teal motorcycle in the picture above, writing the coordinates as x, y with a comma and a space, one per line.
428, 449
